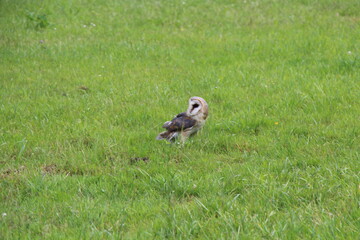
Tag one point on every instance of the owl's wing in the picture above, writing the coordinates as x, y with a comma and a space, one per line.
183, 114
168, 123
179, 123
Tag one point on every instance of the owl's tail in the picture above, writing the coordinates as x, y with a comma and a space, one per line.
169, 136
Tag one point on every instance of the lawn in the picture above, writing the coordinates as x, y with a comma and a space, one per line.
85, 87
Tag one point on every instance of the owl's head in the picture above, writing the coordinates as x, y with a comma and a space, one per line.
198, 107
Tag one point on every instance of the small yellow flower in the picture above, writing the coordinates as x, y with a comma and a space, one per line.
276, 123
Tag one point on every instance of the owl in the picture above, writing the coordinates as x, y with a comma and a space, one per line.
187, 123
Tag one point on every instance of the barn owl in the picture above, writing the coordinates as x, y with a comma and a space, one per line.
187, 123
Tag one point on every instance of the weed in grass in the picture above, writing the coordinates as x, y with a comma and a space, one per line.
37, 21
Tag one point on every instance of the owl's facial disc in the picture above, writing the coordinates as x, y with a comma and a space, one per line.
194, 107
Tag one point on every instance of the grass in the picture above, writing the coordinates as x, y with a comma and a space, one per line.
87, 85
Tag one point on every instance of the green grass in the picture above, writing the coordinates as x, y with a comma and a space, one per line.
85, 87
